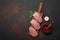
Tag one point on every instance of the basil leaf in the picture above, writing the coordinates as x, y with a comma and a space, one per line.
30, 14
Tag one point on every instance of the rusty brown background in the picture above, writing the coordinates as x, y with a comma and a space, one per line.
14, 21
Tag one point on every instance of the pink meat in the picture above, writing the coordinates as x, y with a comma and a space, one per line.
37, 16
33, 32
35, 24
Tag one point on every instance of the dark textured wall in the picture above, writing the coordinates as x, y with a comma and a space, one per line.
14, 21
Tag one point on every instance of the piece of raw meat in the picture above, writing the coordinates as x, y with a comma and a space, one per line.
35, 24
38, 17
33, 32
